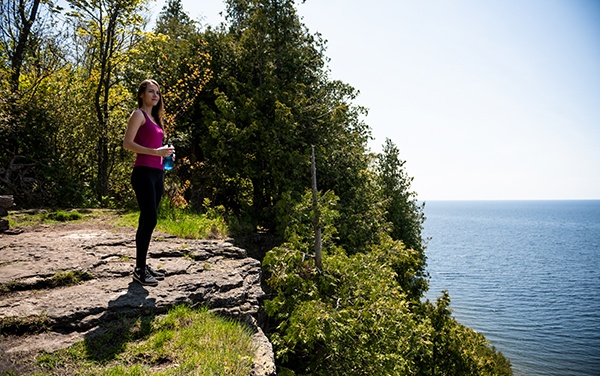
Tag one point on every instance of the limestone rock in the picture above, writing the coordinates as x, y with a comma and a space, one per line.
213, 273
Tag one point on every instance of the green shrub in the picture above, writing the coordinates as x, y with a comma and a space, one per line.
355, 318
63, 216
363, 313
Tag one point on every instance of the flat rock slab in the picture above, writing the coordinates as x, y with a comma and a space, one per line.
208, 272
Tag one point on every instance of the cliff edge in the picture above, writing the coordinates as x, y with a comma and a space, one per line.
208, 272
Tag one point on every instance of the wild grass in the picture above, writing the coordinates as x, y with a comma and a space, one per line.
59, 279
184, 342
28, 218
183, 223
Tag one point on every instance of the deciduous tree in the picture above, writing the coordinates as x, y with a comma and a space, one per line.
176, 56
17, 24
107, 29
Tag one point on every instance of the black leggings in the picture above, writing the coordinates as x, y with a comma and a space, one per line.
148, 184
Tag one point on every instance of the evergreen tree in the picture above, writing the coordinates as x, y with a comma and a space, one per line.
404, 213
270, 99
175, 22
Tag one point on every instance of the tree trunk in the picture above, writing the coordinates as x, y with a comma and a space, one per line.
27, 21
101, 98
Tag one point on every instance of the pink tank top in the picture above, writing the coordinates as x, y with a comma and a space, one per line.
149, 135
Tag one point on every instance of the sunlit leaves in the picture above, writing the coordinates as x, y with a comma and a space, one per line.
352, 319
357, 318
106, 30
175, 56
187, 79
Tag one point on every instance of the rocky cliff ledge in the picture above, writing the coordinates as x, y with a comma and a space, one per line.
213, 273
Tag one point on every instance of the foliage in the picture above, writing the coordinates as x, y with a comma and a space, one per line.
250, 134
108, 29
27, 42
351, 320
31, 168
299, 230
184, 341
363, 314
357, 319
45, 124
269, 101
403, 211
458, 350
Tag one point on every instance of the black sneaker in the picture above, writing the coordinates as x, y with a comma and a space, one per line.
159, 274
144, 277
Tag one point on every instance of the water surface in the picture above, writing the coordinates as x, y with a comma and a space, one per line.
526, 274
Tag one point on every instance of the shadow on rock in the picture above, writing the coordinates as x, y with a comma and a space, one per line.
127, 318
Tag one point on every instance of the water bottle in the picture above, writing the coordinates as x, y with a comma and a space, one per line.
168, 161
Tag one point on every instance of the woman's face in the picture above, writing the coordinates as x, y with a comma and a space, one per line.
151, 96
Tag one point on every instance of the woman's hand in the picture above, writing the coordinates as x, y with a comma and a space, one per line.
165, 151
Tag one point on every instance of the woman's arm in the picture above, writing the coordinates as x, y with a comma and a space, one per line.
136, 120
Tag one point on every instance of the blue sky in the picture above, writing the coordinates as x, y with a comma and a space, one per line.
495, 99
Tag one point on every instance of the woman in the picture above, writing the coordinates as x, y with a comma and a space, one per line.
144, 136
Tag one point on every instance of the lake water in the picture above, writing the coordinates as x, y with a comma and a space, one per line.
526, 274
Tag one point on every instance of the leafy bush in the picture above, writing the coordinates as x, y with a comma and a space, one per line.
363, 313
354, 318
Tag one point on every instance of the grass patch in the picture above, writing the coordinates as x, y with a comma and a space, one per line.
63, 216
26, 219
179, 222
184, 342
182, 223
186, 224
70, 278
33, 217
59, 279
128, 219
21, 325
193, 226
